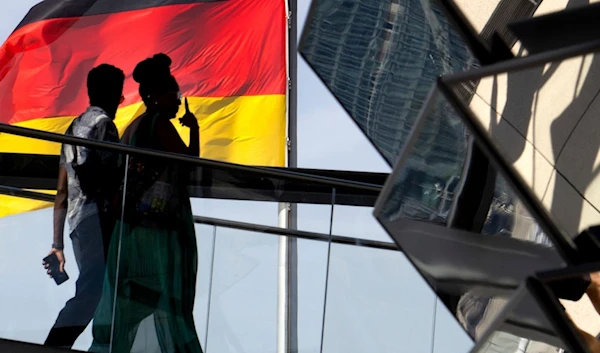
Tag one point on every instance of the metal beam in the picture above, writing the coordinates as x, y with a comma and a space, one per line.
198, 162
299, 234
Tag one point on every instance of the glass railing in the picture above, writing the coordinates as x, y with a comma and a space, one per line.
217, 286
371, 296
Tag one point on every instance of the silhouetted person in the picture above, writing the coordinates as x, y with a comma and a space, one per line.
153, 259
85, 192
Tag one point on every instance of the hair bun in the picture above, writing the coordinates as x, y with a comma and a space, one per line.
147, 70
163, 60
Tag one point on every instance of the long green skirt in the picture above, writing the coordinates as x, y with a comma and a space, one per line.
156, 275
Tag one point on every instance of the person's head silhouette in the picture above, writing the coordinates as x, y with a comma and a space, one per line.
105, 88
158, 88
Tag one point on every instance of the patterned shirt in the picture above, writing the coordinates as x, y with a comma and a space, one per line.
93, 124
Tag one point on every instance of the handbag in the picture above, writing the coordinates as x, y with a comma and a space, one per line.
150, 191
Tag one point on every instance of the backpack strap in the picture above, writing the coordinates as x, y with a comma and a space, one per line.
73, 148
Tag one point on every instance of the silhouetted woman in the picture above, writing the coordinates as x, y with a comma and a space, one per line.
153, 261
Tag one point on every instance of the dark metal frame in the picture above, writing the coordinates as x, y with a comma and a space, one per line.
26, 194
299, 234
250, 227
25, 347
199, 162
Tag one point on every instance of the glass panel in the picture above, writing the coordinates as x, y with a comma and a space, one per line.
376, 302
82, 220
143, 290
380, 59
206, 240
542, 120
243, 309
158, 265
32, 304
358, 222
312, 271
473, 274
449, 336
314, 218
244, 300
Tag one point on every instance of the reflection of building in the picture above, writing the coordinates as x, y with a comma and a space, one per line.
380, 59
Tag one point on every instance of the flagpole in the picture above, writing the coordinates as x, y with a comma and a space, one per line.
287, 269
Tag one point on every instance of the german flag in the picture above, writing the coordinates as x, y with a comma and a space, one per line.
229, 57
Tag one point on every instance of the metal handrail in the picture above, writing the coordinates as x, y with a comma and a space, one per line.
258, 228
237, 225
199, 162
26, 194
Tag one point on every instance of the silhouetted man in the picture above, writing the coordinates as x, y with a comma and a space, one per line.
87, 181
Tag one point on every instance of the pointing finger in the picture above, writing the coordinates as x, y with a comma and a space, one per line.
187, 106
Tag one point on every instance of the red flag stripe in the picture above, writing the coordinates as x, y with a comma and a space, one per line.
219, 49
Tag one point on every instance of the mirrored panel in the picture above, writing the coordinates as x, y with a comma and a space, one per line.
555, 313
490, 18
473, 273
541, 117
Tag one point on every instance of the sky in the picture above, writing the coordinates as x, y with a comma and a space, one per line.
376, 301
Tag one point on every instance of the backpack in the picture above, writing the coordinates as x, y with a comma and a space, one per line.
95, 181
